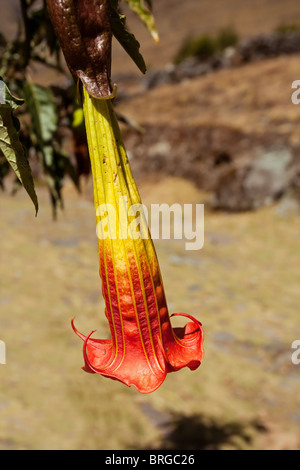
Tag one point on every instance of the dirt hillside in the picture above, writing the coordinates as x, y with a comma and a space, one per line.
177, 19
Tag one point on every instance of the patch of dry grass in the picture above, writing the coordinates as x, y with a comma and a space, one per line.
243, 286
176, 20
254, 98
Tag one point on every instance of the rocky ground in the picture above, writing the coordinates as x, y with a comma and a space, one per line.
233, 132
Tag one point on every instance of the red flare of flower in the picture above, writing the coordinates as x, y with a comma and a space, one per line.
143, 347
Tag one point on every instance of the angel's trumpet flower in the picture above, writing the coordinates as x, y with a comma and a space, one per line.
143, 347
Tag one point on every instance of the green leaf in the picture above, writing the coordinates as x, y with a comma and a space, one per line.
125, 38
55, 163
7, 98
145, 15
43, 112
10, 144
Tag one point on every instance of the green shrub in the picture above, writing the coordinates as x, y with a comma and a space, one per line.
203, 47
227, 37
206, 46
287, 28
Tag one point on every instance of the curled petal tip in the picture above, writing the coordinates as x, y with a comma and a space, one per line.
73, 325
187, 349
88, 366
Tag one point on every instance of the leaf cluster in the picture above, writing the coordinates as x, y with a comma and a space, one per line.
38, 139
33, 127
124, 36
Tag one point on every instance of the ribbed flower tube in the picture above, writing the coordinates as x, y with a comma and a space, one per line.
143, 346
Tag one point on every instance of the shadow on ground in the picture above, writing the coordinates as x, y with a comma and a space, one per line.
198, 432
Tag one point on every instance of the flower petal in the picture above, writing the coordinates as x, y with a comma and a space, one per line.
143, 347
184, 347
134, 370
97, 353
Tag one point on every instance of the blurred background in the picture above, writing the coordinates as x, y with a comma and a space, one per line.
212, 122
